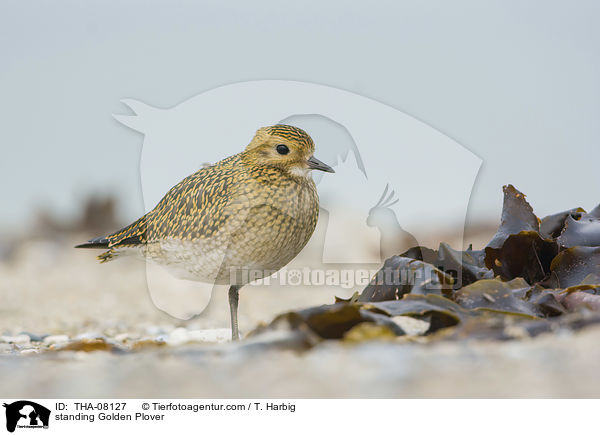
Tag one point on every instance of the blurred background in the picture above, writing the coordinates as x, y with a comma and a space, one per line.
515, 83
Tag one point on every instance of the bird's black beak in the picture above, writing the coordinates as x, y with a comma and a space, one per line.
314, 163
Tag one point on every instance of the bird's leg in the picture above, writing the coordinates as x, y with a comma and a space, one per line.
233, 308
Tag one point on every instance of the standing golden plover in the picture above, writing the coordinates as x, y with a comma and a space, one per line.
233, 222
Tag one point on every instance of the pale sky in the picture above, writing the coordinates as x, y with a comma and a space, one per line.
516, 83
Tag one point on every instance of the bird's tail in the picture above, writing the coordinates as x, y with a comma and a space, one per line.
116, 243
97, 243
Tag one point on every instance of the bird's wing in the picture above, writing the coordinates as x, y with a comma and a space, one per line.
196, 207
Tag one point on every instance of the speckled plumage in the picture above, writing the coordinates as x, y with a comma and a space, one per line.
245, 216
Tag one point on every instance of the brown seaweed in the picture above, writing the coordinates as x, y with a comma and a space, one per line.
533, 277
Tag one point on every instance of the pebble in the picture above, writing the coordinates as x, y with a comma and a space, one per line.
210, 335
123, 337
177, 337
35, 337
181, 336
93, 335
410, 325
16, 339
55, 339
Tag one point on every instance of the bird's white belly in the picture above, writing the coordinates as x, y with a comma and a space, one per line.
207, 260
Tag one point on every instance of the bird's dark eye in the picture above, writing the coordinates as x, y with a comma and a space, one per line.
282, 149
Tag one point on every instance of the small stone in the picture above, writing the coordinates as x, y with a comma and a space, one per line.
517, 332
93, 335
56, 339
35, 337
29, 351
122, 337
410, 325
178, 337
210, 335
16, 339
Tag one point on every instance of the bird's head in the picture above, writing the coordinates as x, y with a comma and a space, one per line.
286, 147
